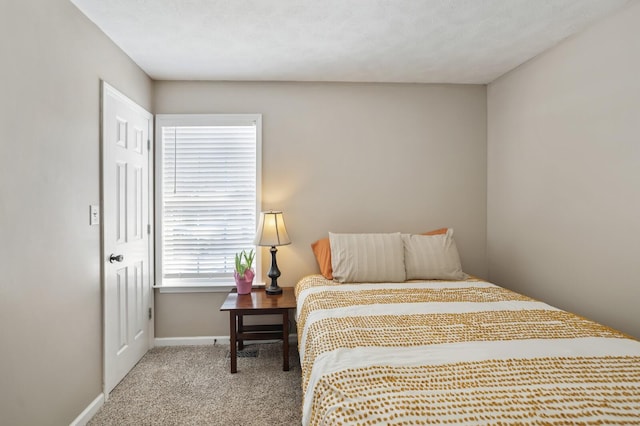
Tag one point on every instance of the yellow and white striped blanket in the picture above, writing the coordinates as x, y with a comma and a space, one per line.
463, 352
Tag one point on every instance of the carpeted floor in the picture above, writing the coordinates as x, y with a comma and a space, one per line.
192, 385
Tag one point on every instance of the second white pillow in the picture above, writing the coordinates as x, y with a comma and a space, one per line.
432, 257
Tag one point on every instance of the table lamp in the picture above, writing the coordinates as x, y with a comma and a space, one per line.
272, 232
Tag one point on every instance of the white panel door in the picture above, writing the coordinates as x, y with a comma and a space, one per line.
126, 223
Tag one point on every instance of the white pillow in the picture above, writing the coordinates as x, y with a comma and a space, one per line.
432, 257
367, 257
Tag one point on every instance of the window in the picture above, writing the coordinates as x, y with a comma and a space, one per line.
207, 196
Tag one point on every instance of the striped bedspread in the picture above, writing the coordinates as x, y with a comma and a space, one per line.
463, 352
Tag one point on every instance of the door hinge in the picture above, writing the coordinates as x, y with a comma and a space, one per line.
148, 144
150, 314
148, 229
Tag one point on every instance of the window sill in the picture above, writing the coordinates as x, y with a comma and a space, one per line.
200, 288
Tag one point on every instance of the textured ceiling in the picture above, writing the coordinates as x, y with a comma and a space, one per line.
430, 41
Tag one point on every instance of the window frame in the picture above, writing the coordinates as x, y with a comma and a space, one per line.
170, 120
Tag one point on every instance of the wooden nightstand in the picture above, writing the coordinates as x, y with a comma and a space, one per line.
258, 303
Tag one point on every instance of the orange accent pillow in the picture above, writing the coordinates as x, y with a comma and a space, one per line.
322, 251
440, 231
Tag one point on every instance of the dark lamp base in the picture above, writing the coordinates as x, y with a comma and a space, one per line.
273, 290
274, 273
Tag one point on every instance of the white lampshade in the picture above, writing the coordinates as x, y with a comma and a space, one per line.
271, 230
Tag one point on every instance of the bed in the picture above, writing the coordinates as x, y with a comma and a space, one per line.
470, 352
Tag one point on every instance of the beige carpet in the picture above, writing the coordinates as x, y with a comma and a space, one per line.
191, 385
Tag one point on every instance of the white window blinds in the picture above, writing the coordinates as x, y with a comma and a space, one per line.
209, 196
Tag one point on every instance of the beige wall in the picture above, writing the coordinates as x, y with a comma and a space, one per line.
564, 174
348, 158
52, 60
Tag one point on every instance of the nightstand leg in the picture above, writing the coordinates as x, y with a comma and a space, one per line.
232, 344
285, 340
240, 330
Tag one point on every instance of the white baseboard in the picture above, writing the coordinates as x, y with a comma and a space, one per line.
91, 410
208, 340
190, 341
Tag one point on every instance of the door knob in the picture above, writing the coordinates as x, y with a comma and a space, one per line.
114, 258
